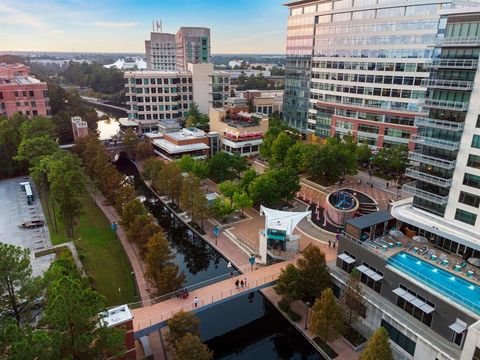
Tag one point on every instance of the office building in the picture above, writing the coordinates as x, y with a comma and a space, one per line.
359, 67
266, 102
171, 52
22, 93
240, 132
79, 128
174, 145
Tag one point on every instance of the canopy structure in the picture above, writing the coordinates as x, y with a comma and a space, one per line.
282, 220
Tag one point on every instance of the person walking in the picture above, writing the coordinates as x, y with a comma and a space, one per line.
195, 301
245, 281
387, 184
241, 283
237, 283
329, 243
334, 244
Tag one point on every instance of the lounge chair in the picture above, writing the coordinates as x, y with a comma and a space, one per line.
463, 264
408, 246
423, 250
442, 257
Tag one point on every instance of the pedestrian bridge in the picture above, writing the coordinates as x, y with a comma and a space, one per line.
153, 317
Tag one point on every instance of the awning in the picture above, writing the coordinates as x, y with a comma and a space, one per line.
412, 299
458, 326
346, 258
370, 273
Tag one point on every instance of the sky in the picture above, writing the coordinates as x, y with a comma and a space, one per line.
237, 26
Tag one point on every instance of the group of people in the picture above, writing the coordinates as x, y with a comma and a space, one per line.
332, 243
241, 283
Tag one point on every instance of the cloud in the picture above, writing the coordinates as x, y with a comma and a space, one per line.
57, 32
115, 25
17, 17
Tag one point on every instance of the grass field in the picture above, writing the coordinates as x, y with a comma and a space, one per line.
101, 253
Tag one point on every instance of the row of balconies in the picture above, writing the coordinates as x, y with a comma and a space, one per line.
450, 145
453, 63
431, 160
416, 173
458, 41
447, 84
446, 104
439, 124
411, 188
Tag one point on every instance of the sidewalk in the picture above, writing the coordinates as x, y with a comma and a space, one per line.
131, 250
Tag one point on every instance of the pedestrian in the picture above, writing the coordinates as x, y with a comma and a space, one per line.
237, 283
334, 243
329, 243
371, 185
245, 281
231, 274
195, 301
387, 184
241, 283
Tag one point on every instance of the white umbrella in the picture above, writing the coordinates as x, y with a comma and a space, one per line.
420, 239
474, 261
396, 232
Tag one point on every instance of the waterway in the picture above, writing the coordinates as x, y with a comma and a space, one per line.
245, 328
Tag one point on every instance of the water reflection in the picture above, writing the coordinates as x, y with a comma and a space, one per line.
108, 127
198, 260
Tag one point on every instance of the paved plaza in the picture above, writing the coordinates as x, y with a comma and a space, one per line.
14, 210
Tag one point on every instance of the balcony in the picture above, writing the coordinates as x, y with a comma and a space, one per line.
446, 104
447, 84
453, 63
414, 173
436, 143
458, 41
431, 160
439, 124
411, 188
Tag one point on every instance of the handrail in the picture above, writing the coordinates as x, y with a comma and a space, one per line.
446, 104
431, 160
206, 301
428, 281
438, 124
371, 248
412, 189
432, 179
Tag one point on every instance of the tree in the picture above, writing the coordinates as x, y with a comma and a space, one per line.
352, 298
73, 316
200, 207
247, 178
190, 186
289, 284
287, 180
130, 140
279, 149
169, 181
242, 201
294, 156
392, 160
229, 188
264, 190
313, 271
327, 319
161, 272
196, 118
152, 168
37, 127
190, 347
33, 149
223, 166
223, 208
186, 163
67, 183
182, 323
364, 153
378, 347
141, 229
10, 140
130, 211
143, 150
18, 286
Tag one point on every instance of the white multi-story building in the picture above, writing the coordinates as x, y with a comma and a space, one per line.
161, 52
158, 95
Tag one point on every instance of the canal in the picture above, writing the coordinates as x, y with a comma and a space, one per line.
248, 327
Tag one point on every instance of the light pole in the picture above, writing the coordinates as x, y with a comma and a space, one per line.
134, 285
306, 316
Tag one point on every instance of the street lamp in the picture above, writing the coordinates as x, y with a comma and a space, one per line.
306, 316
134, 285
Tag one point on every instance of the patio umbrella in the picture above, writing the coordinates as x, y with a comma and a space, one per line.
474, 261
420, 239
395, 232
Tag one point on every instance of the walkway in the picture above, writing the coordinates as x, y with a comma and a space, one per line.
153, 317
130, 249
97, 101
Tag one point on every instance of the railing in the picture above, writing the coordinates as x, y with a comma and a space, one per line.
454, 63
437, 143
367, 245
432, 179
246, 244
431, 160
224, 294
446, 104
461, 40
447, 84
439, 124
412, 189
374, 106
282, 254
430, 282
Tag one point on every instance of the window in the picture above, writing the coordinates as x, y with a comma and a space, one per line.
473, 161
398, 338
465, 216
476, 141
478, 121
471, 180
469, 199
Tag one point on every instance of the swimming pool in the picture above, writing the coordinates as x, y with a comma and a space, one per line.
453, 287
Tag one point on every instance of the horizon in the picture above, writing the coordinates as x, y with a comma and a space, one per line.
122, 27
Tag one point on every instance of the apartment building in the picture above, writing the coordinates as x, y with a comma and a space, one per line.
171, 52
158, 95
266, 102
359, 66
22, 93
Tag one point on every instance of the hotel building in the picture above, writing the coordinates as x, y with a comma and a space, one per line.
22, 93
158, 95
424, 288
359, 67
170, 52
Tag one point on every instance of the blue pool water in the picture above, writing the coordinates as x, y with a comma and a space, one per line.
454, 287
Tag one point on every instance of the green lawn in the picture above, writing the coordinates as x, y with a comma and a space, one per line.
102, 254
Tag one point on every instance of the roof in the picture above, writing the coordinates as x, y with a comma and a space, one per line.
18, 80
365, 221
117, 315
188, 134
172, 148
282, 220
300, 2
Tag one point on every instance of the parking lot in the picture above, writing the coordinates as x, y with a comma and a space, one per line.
14, 210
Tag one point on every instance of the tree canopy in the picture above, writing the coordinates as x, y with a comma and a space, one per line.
378, 347
313, 271
327, 317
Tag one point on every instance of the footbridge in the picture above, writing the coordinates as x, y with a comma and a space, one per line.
153, 316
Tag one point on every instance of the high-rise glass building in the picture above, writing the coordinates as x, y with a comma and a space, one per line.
359, 67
